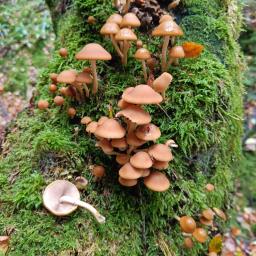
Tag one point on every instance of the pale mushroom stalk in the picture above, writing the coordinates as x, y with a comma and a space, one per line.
95, 78
127, 6
125, 51
164, 52
87, 91
116, 45
67, 199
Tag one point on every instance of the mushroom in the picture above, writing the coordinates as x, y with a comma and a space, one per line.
86, 120
53, 88
141, 160
102, 120
139, 44
93, 52
220, 213
71, 112
63, 52
143, 54
61, 198
111, 29
165, 17
123, 104
205, 221
200, 235
188, 243
125, 35
160, 165
122, 159
175, 53
106, 146
167, 29
208, 214
81, 182
91, 20
127, 183
58, 100
160, 152
129, 172
130, 20
82, 79
209, 187
187, 224
43, 104
133, 141
115, 18
162, 83
53, 77
157, 181
91, 127
121, 144
148, 132
141, 94
98, 171
145, 173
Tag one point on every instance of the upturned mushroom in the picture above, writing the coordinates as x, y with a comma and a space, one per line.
61, 198
167, 29
162, 83
81, 182
157, 181
125, 35
142, 55
93, 52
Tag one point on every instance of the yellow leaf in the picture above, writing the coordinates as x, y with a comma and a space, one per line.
215, 244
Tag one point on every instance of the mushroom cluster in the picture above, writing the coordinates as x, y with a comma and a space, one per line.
124, 136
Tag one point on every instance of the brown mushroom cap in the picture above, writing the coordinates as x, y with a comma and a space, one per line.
148, 132
165, 17
141, 160
135, 114
139, 44
206, 222
167, 28
145, 173
130, 20
160, 152
188, 243
67, 76
91, 127
159, 165
157, 181
109, 28
53, 88
71, 112
58, 100
63, 52
115, 18
141, 94
53, 77
220, 213
81, 182
122, 159
123, 104
43, 104
110, 129
84, 77
187, 224
125, 34
102, 120
105, 145
52, 194
142, 54
86, 120
162, 83
200, 235
129, 172
177, 52
208, 214
209, 187
133, 140
127, 183
93, 51
98, 171
119, 143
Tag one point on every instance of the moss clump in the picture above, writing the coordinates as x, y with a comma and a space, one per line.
204, 103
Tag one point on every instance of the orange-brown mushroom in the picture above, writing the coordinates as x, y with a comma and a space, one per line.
220, 213
71, 112
58, 100
148, 132
141, 160
63, 52
53, 88
162, 83
86, 120
188, 243
142, 55
129, 172
98, 171
175, 53
43, 104
127, 183
187, 224
160, 152
130, 20
122, 159
208, 214
200, 235
157, 181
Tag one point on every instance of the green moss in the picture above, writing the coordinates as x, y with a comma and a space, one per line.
204, 104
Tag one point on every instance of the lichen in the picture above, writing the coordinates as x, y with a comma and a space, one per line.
204, 105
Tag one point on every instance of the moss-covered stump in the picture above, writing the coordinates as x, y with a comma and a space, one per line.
204, 105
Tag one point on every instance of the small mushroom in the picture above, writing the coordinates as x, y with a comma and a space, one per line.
142, 55
115, 18
209, 187
175, 53
162, 83
160, 165
157, 181
130, 20
220, 213
106, 146
127, 183
133, 141
122, 159
205, 221
208, 214
71, 112
129, 172
187, 224
141, 160
121, 144
123, 104
139, 44
167, 29
58, 100
86, 120
43, 104
53, 88
148, 132
93, 52
61, 198
82, 80
98, 171
188, 243
200, 235
91, 20
91, 127
81, 182
53, 77
63, 52
160, 152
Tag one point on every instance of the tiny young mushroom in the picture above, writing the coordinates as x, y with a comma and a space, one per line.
127, 183
58, 100
162, 83
187, 224
63, 52
71, 112
43, 104
53, 77
175, 53
91, 20
81, 182
53, 88
61, 198
167, 29
93, 52
111, 29
82, 80
200, 235
157, 181
142, 55
86, 120
125, 35
98, 171
188, 243
209, 187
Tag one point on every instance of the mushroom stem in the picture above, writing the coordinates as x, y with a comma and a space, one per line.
170, 61
144, 67
125, 50
87, 92
164, 52
176, 217
90, 208
116, 45
95, 78
131, 148
131, 126
127, 6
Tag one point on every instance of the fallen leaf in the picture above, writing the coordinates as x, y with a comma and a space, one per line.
192, 50
215, 244
4, 244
